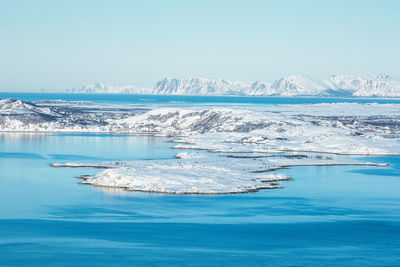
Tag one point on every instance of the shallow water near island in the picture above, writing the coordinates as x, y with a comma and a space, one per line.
331, 215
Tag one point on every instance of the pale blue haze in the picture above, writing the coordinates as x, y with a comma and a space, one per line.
56, 45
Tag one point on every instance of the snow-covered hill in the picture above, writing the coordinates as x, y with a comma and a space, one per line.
110, 88
11, 107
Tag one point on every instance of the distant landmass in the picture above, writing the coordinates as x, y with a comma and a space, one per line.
353, 85
110, 88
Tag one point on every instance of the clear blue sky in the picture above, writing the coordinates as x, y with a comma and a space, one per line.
62, 44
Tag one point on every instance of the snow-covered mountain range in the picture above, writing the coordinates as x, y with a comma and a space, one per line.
358, 85
198, 86
110, 88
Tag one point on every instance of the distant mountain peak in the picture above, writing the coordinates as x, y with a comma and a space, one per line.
197, 86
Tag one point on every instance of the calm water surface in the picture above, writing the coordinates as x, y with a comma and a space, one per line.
328, 215
182, 100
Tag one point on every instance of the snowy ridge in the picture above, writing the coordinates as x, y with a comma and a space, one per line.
11, 106
277, 128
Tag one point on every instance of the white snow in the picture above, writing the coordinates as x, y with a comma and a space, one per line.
185, 178
187, 155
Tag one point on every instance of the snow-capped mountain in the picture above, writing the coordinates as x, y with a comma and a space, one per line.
293, 85
198, 86
259, 88
109, 88
365, 85
299, 85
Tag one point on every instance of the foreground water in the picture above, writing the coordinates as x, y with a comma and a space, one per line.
328, 215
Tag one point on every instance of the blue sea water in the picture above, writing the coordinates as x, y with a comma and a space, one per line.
333, 216
188, 100
328, 215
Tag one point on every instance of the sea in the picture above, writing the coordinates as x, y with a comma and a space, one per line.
331, 215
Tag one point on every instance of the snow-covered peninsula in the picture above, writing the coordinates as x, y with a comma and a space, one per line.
295, 85
219, 149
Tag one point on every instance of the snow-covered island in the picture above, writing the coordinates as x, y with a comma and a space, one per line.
220, 149
358, 85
